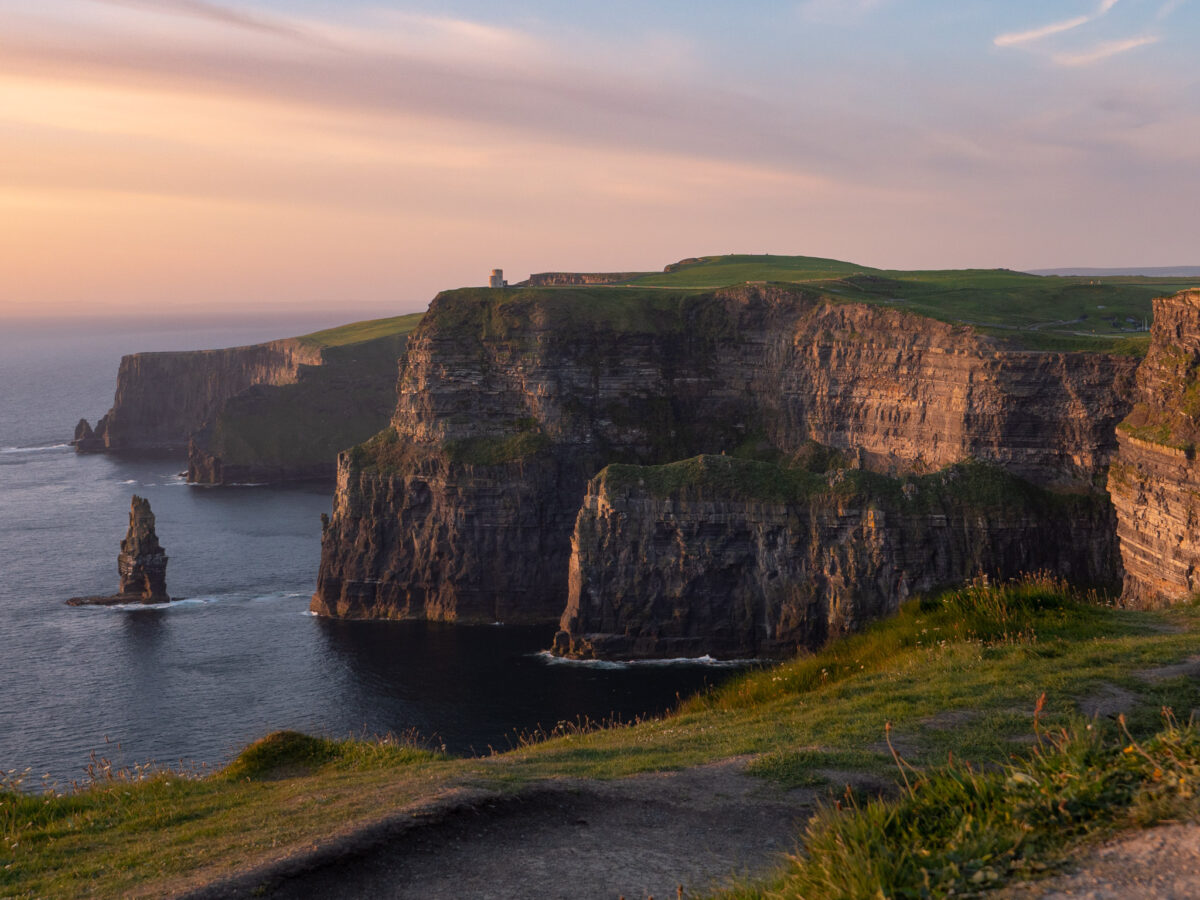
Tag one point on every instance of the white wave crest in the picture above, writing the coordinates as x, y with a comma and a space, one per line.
43, 448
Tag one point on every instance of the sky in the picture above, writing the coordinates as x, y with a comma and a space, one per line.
194, 156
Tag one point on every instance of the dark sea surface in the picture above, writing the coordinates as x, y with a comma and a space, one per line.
198, 680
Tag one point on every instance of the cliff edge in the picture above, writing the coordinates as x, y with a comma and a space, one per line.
511, 401
272, 412
1155, 480
737, 558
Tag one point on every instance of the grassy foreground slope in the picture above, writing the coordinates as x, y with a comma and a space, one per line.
1038, 312
959, 673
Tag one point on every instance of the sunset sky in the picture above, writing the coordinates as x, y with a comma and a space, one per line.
186, 154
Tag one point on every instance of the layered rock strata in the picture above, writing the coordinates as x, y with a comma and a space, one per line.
272, 433
1155, 479
142, 562
735, 558
273, 412
161, 398
511, 401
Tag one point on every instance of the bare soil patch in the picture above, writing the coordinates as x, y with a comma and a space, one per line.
1157, 864
634, 837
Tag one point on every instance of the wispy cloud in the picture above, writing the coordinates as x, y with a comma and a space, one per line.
213, 12
1167, 8
1104, 51
1015, 38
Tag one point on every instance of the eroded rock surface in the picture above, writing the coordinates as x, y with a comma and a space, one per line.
142, 562
1155, 480
161, 398
510, 401
742, 559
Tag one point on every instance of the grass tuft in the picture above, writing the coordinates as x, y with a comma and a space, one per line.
957, 831
287, 754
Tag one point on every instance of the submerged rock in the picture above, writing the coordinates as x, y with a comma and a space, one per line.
142, 562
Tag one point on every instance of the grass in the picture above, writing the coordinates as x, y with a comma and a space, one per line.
721, 271
1087, 314
957, 830
976, 485
1040, 313
359, 332
979, 656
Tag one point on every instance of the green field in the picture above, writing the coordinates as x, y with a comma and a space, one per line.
358, 332
1037, 312
978, 658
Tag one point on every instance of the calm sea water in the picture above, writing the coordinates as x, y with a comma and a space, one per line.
241, 656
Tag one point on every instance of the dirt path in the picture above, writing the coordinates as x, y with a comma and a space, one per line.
1157, 864
635, 837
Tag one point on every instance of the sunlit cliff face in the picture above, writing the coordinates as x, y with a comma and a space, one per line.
190, 155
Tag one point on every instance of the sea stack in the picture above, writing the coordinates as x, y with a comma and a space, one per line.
89, 441
142, 562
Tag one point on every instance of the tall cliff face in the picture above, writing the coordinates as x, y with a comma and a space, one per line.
161, 398
736, 558
294, 431
1155, 479
510, 401
273, 412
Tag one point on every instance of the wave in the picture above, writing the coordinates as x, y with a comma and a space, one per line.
204, 600
550, 659
42, 448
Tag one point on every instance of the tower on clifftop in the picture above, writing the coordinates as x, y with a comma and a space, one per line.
497, 279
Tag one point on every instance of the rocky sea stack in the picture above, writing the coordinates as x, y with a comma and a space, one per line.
142, 562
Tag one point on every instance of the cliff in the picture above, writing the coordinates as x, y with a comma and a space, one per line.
737, 558
294, 431
161, 398
1155, 480
270, 412
509, 402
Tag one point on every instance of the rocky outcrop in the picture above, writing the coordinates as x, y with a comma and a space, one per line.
142, 562
1155, 480
86, 440
735, 558
161, 398
511, 401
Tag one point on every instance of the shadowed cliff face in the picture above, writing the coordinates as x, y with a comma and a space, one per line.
294, 431
510, 401
709, 565
273, 412
1155, 479
162, 398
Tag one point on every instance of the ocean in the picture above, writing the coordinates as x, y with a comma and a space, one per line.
241, 656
